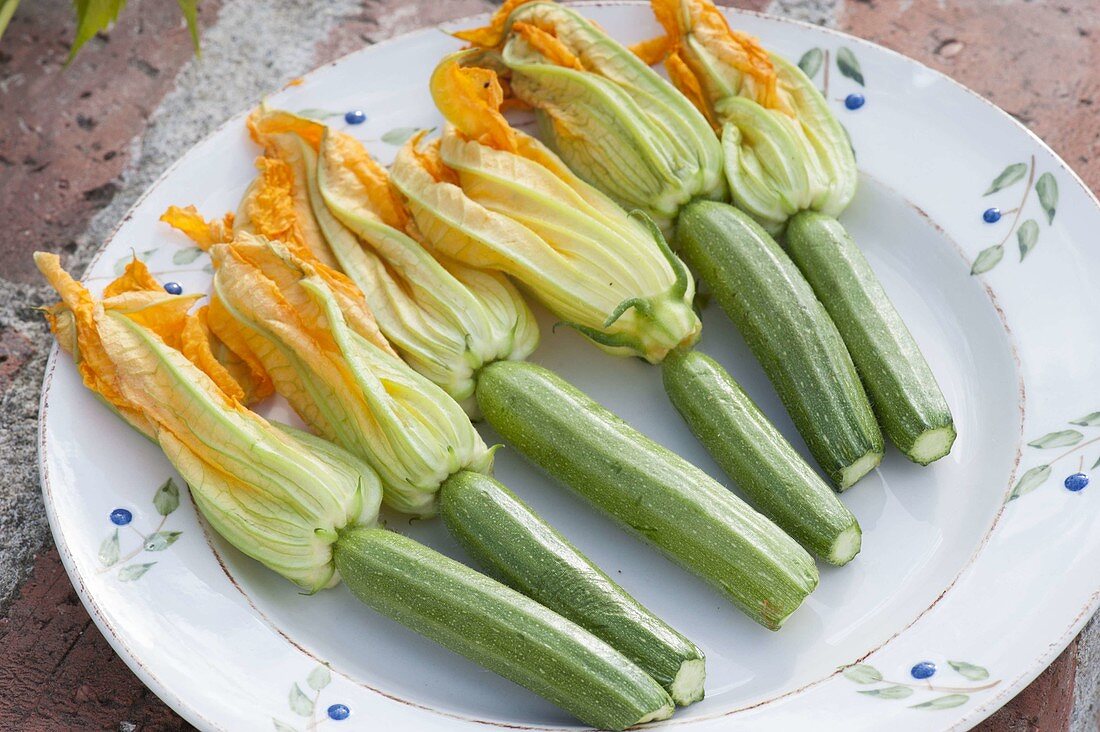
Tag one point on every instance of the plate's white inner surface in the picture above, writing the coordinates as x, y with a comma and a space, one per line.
920, 525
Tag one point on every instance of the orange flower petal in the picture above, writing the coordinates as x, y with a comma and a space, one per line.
204, 233
490, 36
548, 45
470, 99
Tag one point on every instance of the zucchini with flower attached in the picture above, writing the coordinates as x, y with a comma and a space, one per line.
308, 509
310, 330
790, 166
565, 67
497, 198
494, 197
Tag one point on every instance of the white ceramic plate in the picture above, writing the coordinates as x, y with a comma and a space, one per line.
960, 597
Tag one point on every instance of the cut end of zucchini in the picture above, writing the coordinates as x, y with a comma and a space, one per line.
657, 714
687, 687
846, 546
850, 475
932, 445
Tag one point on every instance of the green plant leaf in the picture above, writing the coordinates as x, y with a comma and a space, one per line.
161, 540
92, 16
319, 677
283, 726
1027, 236
399, 135
862, 673
969, 670
943, 702
1047, 188
190, 10
1061, 438
848, 64
1089, 420
889, 692
167, 497
810, 63
987, 259
300, 704
186, 256
1030, 480
109, 551
131, 572
7, 9
1096, 464
1008, 176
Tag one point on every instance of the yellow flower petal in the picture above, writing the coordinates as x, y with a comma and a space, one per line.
470, 99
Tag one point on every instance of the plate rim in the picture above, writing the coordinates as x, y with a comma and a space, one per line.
973, 716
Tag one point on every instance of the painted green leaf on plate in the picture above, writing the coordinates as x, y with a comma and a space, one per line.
315, 113
1089, 420
862, 673
109, 551
300, 704
987, 259
131, 572
161, 540
1030, 480
167, 498
889, 692
399, 135
969, 670
1027, 236
1047, 188
186, 256
848, 64
1008, 176
810, 63
1061, 438
943, 702
283, 726
319, 677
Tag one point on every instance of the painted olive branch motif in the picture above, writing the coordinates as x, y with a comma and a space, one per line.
165, 500
953, 696
1027, 233
306, 707
1073, 439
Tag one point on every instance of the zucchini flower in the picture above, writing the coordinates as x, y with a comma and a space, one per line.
321, 193
310, 329
784, 150
498, 199
609, 116
277, 494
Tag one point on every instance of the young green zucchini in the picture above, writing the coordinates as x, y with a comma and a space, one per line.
524, 552
904, 393
789, 332
648, 488
755, 454
499, 628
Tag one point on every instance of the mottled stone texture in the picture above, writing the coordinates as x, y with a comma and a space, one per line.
77, 147
1036, 60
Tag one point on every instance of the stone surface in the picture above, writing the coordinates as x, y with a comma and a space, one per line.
77, 148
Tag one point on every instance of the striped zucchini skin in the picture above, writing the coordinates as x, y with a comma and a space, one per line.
755, 454
498, 628
649, 489
789, 332
514, 545
904, 393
